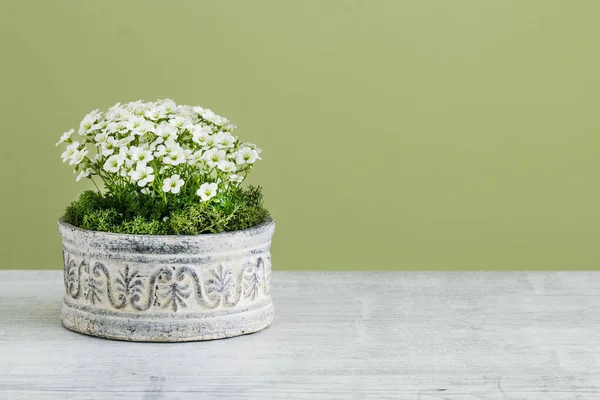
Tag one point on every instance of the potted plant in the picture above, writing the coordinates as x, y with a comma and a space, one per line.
170, 246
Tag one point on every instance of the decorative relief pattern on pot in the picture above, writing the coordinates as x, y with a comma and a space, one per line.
127, 284
254, 279
170, 288
93, 286
221, 285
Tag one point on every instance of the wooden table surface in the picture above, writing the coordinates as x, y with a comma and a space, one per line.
351, 335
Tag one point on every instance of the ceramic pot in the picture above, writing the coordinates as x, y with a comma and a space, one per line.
167, 288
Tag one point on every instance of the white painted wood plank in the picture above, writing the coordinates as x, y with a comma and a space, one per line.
408, 335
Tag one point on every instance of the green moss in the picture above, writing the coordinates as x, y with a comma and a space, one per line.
248, 211
232, 211
87, 203
100, 220
141, 226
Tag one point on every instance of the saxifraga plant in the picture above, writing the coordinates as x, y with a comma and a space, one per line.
161, 168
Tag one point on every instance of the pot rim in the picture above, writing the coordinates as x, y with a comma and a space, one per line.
269, 224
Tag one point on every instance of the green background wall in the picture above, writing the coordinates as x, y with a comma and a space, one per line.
396, 134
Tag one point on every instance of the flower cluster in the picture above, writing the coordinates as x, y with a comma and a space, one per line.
159, 148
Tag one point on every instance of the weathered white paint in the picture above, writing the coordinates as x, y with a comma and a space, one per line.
167, 288
409, 335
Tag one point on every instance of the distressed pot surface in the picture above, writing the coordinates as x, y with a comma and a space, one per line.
167, 288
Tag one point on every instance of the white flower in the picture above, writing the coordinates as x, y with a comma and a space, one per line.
168, 105
224, 140
126, 154
108, 147
218, 120
228, 127
113, 163
136, 107
78, 156
186, 111
142, 174
116, 127
226, 166
208, 115
207, 191
101, 138
114, 108
100, 125
213, 156
194, 158
172, 184
168, 148
156, 142
162, 150
118, 112
236, 178
200, 134
252, 146
124, 141
155, 113
140, 154
88, 122
83, 174
210, 141
147, 126
70, 151
135, 122
166, 131
65, 136
246, 155
139, 126
180, 122
111, 128
175, 157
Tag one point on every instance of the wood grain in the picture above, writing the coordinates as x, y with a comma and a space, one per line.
408, 335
